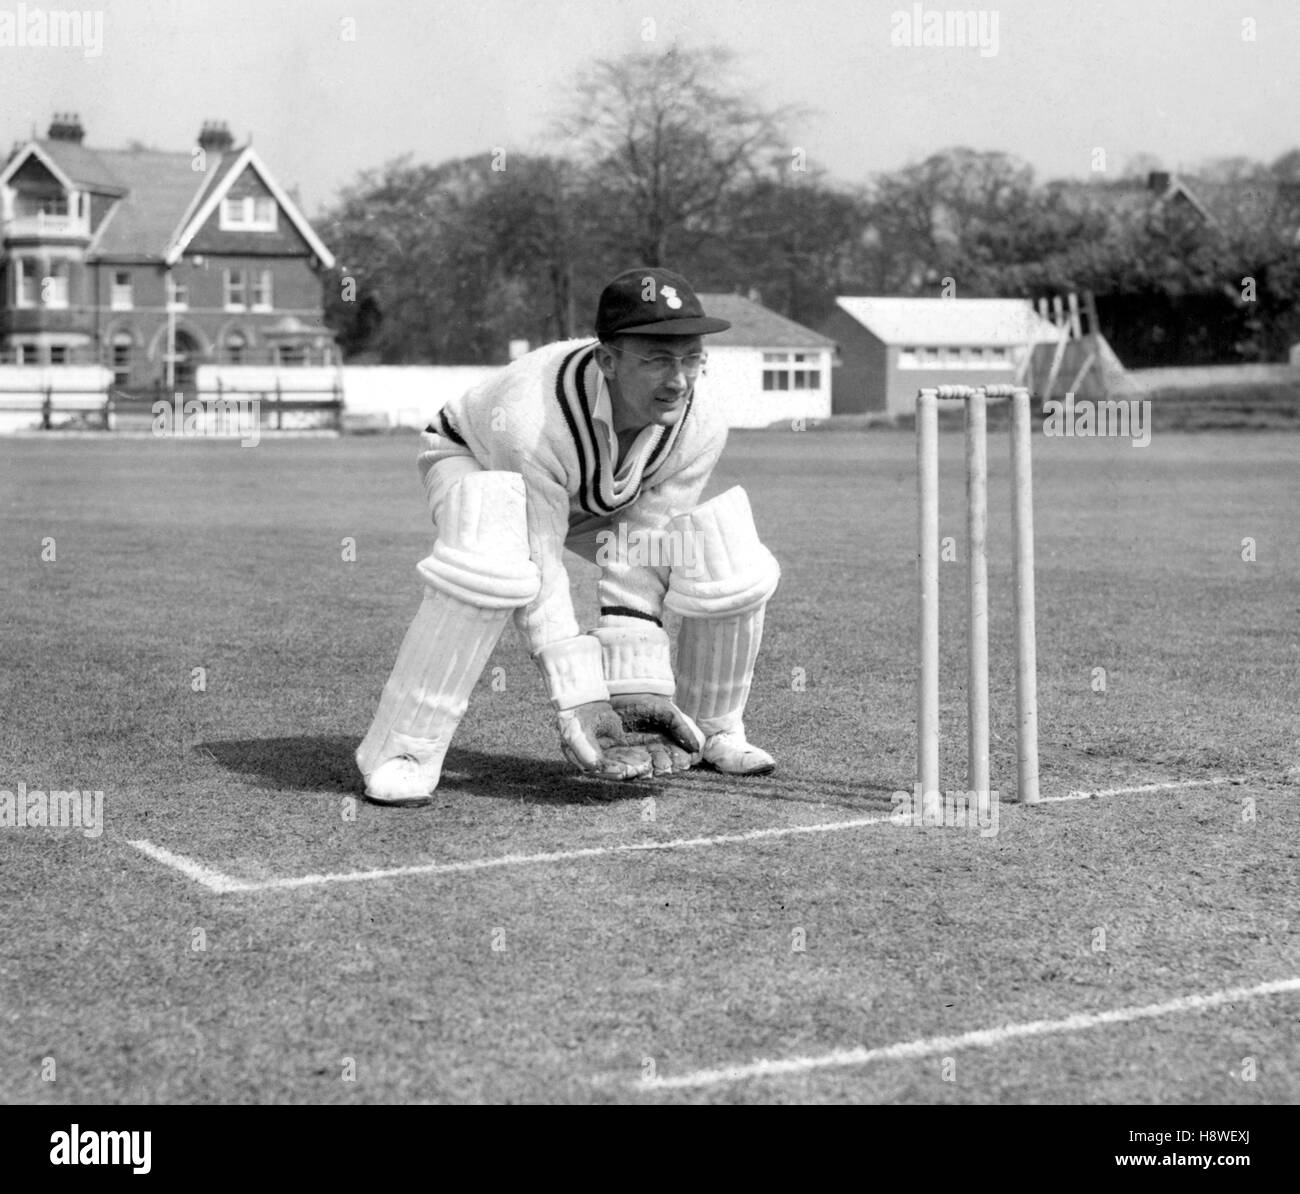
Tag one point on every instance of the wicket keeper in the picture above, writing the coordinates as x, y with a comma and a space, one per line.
580, 444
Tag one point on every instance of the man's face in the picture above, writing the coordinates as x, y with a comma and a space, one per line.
644, 392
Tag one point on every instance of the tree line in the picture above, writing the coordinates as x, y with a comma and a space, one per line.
665, 159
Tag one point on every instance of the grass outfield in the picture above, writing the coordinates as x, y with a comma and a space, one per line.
572, 978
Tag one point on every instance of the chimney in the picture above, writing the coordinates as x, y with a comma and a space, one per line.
214, 137
66, 126
1158, 182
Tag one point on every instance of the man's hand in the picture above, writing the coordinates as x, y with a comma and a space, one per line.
653, 722
592, 739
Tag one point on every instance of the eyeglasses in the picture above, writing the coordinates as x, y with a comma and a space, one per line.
664, 364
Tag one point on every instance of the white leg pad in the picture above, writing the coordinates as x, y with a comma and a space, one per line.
715, 667
732, 572
478, 573
439, 662
721, 598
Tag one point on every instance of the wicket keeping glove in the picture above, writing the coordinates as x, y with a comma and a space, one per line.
640, 678
655, 723
591, 734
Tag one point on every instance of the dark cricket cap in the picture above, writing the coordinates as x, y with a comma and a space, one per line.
652, 302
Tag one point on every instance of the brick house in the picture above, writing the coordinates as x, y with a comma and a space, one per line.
153, 263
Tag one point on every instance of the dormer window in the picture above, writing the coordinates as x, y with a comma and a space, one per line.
28, 205
248, 214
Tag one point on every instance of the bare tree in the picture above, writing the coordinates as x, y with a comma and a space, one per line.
664, 139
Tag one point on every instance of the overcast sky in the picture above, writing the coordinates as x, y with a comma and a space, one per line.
449, 78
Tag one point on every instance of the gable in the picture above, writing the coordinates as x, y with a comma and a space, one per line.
285, 240
34, 175
249, 183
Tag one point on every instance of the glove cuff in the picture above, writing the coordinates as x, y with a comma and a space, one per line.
572, 670
636, 659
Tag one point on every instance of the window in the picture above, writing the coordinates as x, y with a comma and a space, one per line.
24, 354
58, 354
236, 290
236, 347
907, 358
245, 288
121, 296
249, 213
34, 206
789, 371
121, 359
54, 286
262, 290
291, 354
25, 278
178, 294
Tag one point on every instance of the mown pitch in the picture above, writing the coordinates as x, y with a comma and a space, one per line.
209, 638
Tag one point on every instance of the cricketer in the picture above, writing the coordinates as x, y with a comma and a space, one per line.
580, 445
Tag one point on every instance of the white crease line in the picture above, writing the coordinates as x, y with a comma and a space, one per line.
216, 881
223, 884
1165, 787
985, 1038
212, 880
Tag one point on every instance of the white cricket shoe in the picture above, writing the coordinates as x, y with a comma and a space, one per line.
731, 754
403, 781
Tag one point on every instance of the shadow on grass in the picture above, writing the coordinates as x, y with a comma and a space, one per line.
327, 765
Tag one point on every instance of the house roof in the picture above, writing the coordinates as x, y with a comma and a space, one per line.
162, 200
159, 188
1260, 198
85, 167
754, 326
245, 158
937, 321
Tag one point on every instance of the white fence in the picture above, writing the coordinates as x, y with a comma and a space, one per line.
404, 395
373, 396
33, 394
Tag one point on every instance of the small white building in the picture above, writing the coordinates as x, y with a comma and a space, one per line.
765, 368
891, 347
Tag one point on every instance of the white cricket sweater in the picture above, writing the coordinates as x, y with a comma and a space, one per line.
539, 417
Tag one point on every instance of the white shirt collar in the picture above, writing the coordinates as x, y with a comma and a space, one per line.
603, 412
